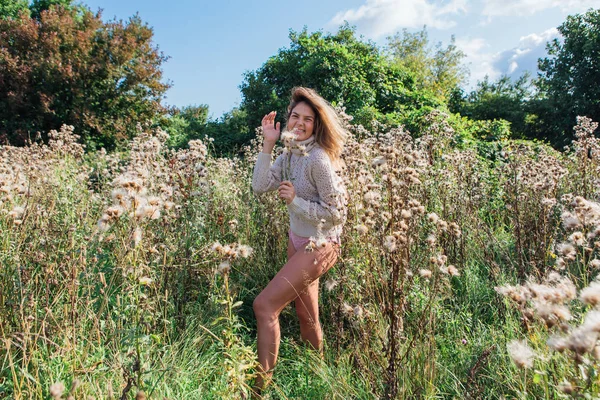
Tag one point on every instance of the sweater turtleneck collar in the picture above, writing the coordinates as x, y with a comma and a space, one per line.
303, 147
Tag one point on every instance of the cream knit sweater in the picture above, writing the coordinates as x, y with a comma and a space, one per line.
320, 194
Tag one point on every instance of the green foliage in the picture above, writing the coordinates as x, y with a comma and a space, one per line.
12, 8
342, 68
70, 67
109, 298
438, 70
229, 133
185, 124
569, 77
504, 99
39, 6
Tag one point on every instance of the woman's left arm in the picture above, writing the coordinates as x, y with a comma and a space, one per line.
331, 194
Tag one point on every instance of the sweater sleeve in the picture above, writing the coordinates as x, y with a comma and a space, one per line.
266, 177
331, 204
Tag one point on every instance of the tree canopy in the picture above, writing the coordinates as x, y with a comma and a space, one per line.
505, 99
570, 74
69, 67
342, 68
13, 8
438, 70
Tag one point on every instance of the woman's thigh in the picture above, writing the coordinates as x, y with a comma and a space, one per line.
301, 270
307, 303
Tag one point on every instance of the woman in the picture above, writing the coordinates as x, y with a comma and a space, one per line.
305, 178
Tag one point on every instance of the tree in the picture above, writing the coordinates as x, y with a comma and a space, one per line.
12, 8
230, 132
340, 67
504, 99
438, 70
69, 67
569, 76
185, 124
39, 6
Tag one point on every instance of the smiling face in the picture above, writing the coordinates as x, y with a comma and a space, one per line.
302, 121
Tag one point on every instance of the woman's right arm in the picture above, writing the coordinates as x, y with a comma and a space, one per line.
267, 177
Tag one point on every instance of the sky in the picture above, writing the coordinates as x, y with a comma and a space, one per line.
211, 44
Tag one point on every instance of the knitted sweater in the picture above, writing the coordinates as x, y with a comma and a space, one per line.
320, 193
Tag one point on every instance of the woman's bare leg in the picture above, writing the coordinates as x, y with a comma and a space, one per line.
296, 275
307, 309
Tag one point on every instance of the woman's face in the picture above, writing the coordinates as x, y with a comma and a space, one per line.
302, 121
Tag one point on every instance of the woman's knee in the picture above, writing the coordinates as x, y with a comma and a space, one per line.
263, 308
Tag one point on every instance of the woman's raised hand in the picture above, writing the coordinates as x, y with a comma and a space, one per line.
271, 131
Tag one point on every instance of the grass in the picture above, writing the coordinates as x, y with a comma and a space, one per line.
134, 305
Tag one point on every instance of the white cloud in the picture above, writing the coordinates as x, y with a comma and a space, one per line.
478, 58
524, 57
380, 17
494, 8
513, 62
534, 40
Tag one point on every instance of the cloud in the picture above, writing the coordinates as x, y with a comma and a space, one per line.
512, 62
524, 57
478, 58
495, 8
380, 17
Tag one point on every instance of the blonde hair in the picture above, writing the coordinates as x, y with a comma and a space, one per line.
328, 130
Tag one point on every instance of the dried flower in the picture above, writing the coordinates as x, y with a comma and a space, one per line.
556, 343
425, 273
57, 390
591, 294
453, 271
224, 267
432, 218
145, 281
244, 251
389, 243
521, 353
362, 229
137, 236
330, 284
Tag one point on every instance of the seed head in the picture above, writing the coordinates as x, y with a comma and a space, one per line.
362, 229
432, 218
453, 271
425, 273
521, 354
557, 343
321, 242
137, 236
591, 294
390, 243
244, 251
224, 267
57, 390
330, 284
577, 238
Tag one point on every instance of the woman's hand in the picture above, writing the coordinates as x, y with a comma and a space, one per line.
287, 191
271, 131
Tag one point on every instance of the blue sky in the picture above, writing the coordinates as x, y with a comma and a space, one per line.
212, 43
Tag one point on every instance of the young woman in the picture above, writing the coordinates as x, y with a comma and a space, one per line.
305, 178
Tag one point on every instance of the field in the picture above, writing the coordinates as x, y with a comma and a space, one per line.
467, 271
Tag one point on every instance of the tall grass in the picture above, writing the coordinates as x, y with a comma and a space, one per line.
131, 275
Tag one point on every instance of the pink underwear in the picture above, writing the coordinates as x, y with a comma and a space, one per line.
300, 242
